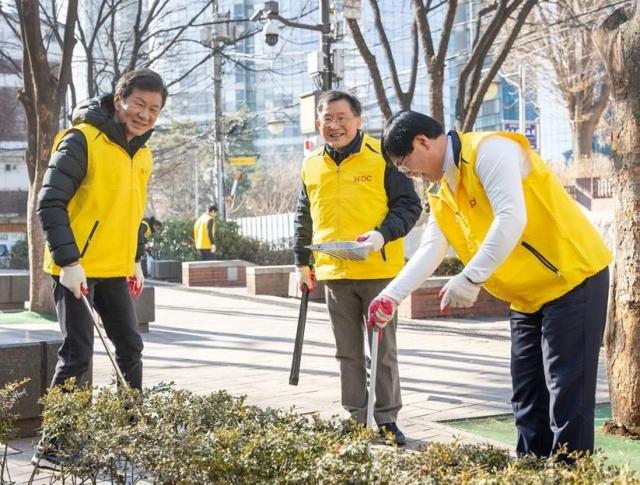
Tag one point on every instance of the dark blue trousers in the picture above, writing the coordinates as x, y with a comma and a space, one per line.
554, 369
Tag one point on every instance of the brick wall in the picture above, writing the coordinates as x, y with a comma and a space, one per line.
424, 303
215, 273
269, 280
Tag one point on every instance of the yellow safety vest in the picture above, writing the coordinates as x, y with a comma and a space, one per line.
147, 230
200, 233
347, 200
558, 249
106, 210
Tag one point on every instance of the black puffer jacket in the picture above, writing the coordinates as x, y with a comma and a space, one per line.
68, 167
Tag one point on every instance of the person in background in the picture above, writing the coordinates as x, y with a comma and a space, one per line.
204, 231
524, 240
350, 193
148, 227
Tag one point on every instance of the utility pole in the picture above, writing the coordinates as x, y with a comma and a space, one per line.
218, 136
325, 44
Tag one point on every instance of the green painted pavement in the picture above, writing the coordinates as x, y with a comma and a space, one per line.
10, 318
618, 450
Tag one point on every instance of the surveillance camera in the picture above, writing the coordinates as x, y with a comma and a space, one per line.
271, 33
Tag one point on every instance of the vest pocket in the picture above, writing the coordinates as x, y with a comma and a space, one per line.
548, 264
86, 244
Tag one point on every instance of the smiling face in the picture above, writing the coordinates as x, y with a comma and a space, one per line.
138, 112
337, 123
425, 160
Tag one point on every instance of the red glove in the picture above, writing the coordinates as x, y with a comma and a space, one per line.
136, 282
134, 288
381, 311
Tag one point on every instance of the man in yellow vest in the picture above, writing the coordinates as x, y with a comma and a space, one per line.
148, 227
349, 193
524, 240
91, 204
204, 232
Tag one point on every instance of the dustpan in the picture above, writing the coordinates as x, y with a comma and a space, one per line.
345, 250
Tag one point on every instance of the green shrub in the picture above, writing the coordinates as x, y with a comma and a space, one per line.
20, 250
450, 266
175, 436
175, 241
9, 395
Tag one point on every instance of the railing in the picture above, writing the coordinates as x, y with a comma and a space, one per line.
274, 229
596, 187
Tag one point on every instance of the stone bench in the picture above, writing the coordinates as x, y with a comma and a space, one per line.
170, 270
29, 354
316, 295
145, 307
424, 303
14, 290
269, 280
215, 273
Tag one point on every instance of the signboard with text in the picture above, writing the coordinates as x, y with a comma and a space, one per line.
530, 130
242, 161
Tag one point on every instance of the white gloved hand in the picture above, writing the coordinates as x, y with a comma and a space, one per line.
305, 277
74, 278
213, 249
459, 292
381, 311
373, 237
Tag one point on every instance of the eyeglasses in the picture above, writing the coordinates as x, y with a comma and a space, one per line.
400, 165
339, 120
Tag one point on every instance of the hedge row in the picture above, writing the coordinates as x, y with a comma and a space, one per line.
167, 435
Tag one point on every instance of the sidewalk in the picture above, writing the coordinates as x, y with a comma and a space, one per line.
211, 339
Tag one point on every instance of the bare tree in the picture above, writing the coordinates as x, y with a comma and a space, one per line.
405, 98
475, 77
271, 190
580, 76
482, 63
434, 58
45, 86
618, 40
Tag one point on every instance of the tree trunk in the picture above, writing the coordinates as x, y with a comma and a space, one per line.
40, 296
618, 40
436, 103
42, 95
582, 139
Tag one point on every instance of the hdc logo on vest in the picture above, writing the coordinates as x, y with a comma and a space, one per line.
363, 178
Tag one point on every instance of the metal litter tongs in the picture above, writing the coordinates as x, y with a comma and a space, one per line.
103, 338
345, 250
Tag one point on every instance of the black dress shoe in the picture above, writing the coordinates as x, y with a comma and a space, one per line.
392, 428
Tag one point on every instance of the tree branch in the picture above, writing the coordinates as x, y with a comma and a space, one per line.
371, 63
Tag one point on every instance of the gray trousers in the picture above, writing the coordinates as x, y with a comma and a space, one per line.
348, 302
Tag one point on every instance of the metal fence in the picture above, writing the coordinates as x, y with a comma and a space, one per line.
274, 229
596, 187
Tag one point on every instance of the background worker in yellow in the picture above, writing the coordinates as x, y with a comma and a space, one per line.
148, 227
91, 203
350, 193
204, 232
523, 239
